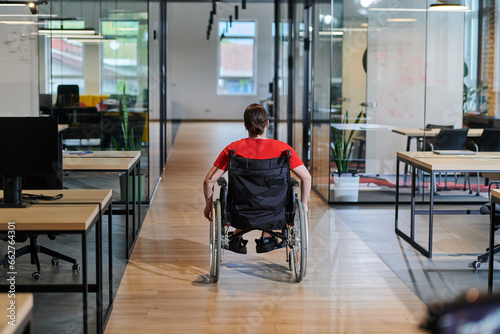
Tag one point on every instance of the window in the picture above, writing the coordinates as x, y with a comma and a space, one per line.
236, 68
66, 55
120, 56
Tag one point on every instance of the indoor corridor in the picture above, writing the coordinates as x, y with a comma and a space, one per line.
166, 287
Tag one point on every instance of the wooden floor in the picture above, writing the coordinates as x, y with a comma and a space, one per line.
166, 287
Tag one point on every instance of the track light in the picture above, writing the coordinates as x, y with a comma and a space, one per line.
236, 12
32, 5
243, 4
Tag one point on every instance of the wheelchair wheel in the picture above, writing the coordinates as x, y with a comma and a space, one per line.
299, 237
215, 241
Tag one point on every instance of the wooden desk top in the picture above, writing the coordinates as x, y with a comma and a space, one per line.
56, 215
481, 162
432, 132
23, 304
62, 127
495, 195
429, 154
102, 160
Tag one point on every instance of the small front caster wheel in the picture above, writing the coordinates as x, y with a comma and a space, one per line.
36, 275
55, 261
476, 264
76, 268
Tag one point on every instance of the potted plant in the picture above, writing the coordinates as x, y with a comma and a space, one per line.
130, 142
345, 181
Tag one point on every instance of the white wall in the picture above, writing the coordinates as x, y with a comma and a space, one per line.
18, 65
192, 61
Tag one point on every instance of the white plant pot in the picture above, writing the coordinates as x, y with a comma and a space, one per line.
345, 187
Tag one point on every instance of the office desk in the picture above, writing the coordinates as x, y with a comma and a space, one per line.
434, 163
495, 199
23, 304
419, 134
78, 212
114, 161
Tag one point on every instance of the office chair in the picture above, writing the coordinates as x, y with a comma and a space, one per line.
34, 248
431, 140
488, 142
486, 210
68, 96
450, 139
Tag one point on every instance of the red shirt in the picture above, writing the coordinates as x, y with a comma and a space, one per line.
252, 148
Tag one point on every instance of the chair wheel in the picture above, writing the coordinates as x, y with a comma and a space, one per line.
55, 261
76, 268
36, 275
476, 264
290, 261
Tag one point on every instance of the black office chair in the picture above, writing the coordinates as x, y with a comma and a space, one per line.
431, 140
486, 210
68, 96
450, 139
488, 142
34, 248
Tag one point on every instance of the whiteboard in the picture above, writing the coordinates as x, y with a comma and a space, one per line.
18, 65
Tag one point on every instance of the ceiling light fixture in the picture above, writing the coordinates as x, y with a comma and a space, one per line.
32, 5
402, 19
448, 6
87, 31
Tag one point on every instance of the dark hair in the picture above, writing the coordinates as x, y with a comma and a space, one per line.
255, 118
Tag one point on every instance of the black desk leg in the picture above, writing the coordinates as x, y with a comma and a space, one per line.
134, 194
127, 217
431, 214
99, 276
110, 255
397, 195
85, 282
139, 196
491, 250
412, 200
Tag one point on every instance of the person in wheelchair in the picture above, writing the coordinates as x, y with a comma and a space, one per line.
257, 146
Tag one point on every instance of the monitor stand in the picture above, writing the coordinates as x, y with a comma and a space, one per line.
12, 193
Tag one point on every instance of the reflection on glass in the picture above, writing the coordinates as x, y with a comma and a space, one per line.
321, 55
236, 58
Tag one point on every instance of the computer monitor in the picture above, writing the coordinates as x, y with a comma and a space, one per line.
30, 149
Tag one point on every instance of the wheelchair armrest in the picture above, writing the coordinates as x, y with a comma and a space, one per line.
222, 182
294, 182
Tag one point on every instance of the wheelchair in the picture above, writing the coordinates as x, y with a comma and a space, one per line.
259, 195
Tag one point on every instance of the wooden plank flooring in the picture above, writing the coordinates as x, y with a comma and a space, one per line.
166, 287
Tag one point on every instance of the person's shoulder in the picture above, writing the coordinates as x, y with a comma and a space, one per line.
236, 144
280, 144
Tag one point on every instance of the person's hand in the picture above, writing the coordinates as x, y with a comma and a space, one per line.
208, 210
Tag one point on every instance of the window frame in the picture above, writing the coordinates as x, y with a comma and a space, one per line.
254, 70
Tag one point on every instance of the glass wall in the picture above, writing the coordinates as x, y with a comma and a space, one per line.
321, 58
382, 68
93, 65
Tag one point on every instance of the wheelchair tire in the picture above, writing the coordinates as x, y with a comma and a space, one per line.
215, 241
299, 250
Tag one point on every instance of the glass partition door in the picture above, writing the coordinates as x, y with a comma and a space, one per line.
320, 98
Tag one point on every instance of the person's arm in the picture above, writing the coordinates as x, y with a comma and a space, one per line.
208, 189
305, 183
